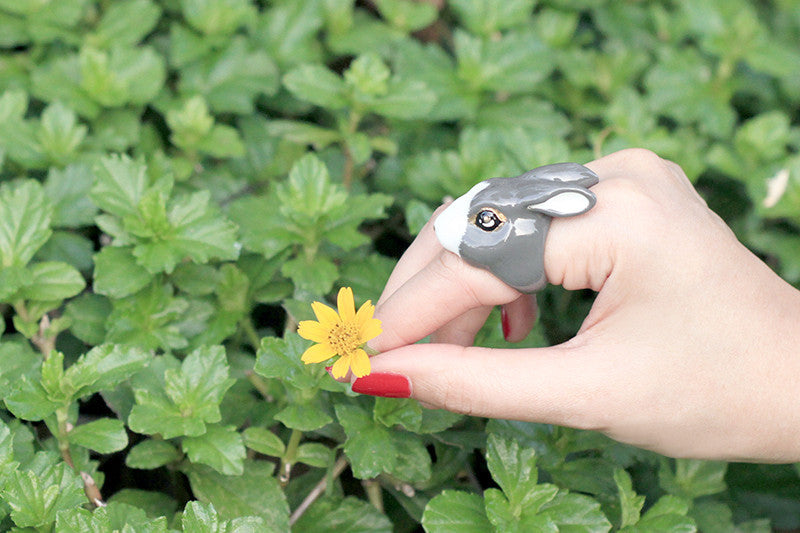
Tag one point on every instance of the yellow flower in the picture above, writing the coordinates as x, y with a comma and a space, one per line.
343, 333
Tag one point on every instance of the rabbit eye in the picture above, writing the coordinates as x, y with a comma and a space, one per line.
488, 220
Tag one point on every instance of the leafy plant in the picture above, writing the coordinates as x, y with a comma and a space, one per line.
179, 179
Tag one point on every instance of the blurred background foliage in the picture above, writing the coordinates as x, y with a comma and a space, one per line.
184, 175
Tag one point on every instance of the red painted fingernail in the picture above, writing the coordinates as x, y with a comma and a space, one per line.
504, 321
383, 384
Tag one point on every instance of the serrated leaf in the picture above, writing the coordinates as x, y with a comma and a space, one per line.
104, 367
220, 447
115, 25
369, 446
148, 319
68, 189
315, 277
220, 17
692, 478
280, 358
152, 453
255, 493
106, 435
485, 17
117, 274
59, 135
120, 183
263, 441
25, 215
203, 518
350, 514
456, 512
630, 503
514, 469
36, 496
231, 79
52, 280
304, 417
30, 401
318, 85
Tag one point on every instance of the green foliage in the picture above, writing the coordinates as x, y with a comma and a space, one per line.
179, 179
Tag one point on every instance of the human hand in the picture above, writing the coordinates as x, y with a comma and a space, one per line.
690, 348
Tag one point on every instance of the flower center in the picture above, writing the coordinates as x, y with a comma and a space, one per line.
344, 338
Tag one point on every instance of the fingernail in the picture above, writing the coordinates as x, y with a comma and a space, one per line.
505, 323
383, 384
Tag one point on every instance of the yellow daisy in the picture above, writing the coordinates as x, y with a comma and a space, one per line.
343, 333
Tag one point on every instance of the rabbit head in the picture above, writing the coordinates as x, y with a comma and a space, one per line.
501, 223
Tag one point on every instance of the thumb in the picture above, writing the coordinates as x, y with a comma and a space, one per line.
558, 385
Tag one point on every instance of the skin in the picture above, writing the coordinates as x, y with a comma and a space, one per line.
690, 349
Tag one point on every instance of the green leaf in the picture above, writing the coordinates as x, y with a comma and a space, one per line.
88, 314
106, 435
692, 478
196, 230
217, 17
395, 411
455, 512
304, 417
116, 516
575, 512
30, 401
289, 31
231, 79
407, 16
201, 518
255, 493
124, 75
369, 446
404, 99
104, 367
318, 85
52, 280
315, 454
37, 495
120, 183
17, 359
514, 469
59, 135
667, 514
25, 215
279, 358
316, 277
190, 398
630, 503
350, 514
151, 453
68, 189
148, 319
368, 75
115, 25
485, 17
220, 447
117, 274
263, 441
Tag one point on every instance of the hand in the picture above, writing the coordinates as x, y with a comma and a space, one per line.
690, 349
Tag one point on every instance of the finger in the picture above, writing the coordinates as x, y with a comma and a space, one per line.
462, 330
439, 293
518, 317
558, 385
424, 248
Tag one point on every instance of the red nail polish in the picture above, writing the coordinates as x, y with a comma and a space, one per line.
383, 384
505, 323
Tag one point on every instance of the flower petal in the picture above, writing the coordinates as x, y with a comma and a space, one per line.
365, 312
359, 363
326, 316
317, 354
369, 330
346, 304
313, 331
341, 367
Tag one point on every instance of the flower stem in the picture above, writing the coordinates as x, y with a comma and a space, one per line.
251, 333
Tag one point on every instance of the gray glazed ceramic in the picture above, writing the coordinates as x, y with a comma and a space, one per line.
501, 223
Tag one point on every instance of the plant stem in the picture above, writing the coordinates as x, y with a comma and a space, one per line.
319, 488
259, 384
285, 471
374, 493
251, 333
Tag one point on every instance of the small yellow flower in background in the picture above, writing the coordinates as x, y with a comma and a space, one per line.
344, 333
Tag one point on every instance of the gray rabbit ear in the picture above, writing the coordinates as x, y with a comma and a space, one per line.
565, 203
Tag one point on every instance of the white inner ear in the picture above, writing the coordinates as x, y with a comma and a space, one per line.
563, 204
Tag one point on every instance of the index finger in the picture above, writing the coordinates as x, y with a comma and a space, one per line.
442, 291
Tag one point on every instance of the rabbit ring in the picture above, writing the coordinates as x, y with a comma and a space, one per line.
501, 223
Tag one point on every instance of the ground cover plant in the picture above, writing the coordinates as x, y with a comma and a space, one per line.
180, 179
